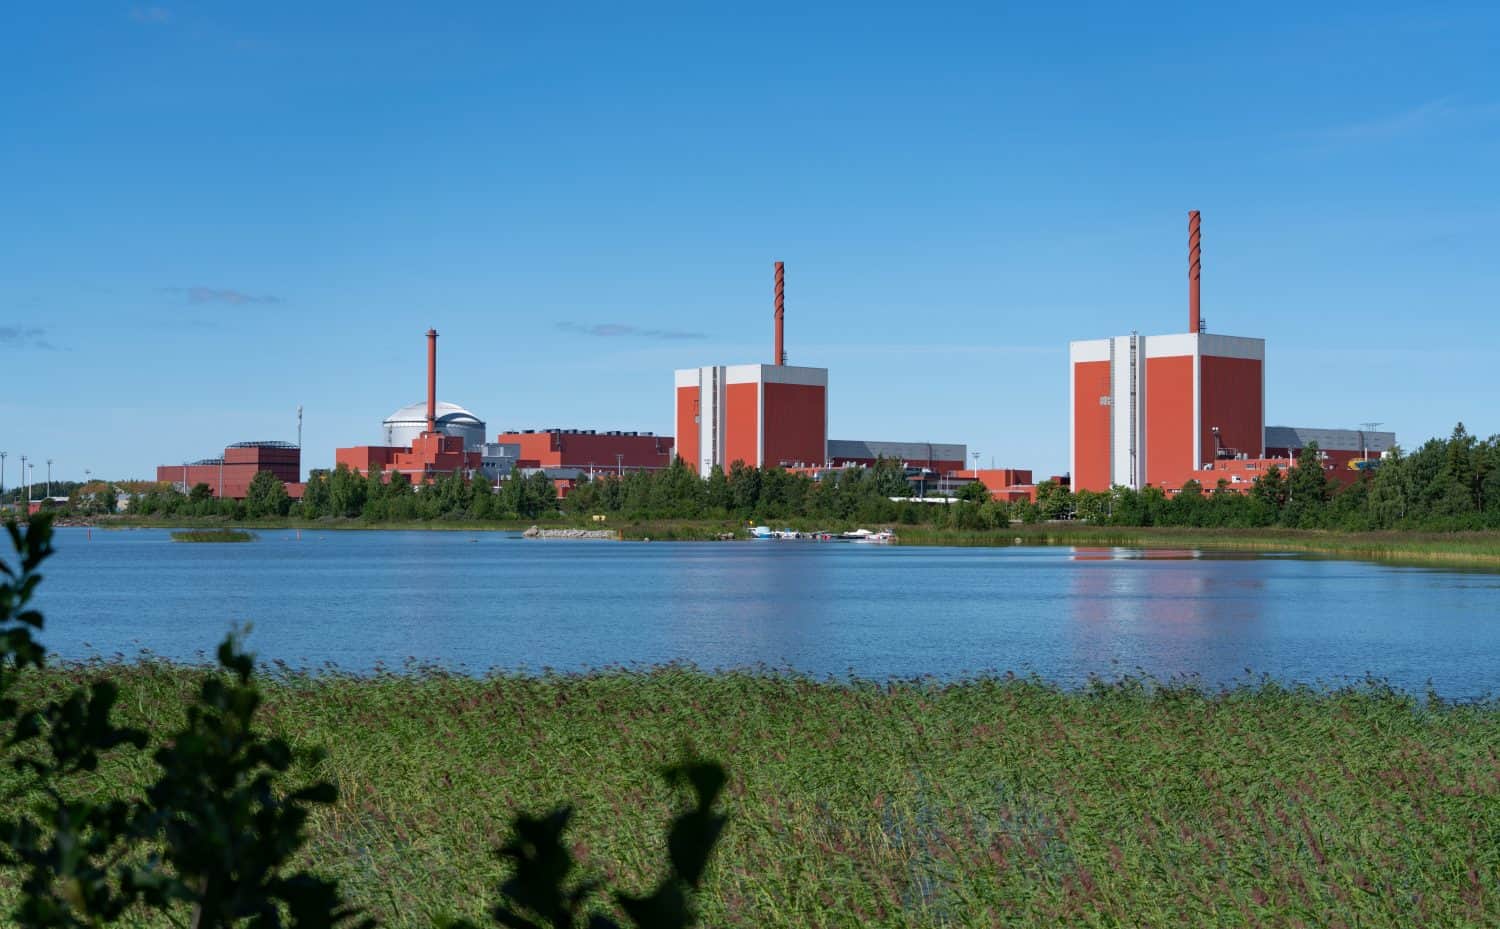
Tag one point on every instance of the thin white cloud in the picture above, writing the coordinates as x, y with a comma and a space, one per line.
932, 348
616, 330
1432, 116
222, 295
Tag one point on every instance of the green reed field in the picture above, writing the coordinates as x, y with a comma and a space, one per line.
997, 802
213, 535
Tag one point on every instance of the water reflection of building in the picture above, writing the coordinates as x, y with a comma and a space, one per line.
1168, 613
764, 605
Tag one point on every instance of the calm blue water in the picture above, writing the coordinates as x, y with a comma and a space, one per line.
482, 600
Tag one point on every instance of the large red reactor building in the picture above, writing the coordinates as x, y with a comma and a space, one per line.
1152, 409
761, 415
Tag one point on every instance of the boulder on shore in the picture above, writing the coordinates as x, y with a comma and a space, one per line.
536, 532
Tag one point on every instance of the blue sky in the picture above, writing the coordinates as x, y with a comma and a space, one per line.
214, 212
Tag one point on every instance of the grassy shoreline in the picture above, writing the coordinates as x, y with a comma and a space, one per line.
1458, 549
986, 802
1474, 549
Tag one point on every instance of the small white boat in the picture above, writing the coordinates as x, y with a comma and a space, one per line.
883, 537
761, 532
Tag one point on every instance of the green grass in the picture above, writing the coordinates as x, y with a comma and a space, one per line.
1476, 549
1471, 549
213, 535
984, 803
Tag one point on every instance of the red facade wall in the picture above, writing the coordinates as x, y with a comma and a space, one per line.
1240, 475
996, 478
537, 448
239, 469
364, 458
430, 456
688, 411
742, 424
1232, 394
796, 424
1169, 418
1090, 425
435, 455
285, 463
584, 450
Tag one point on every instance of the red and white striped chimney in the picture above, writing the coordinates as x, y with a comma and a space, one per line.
780, 357
431, 381
1195, 320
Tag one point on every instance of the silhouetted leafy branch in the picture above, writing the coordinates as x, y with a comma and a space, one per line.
539, 894
209, 842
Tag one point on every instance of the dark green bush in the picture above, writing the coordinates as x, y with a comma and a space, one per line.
211, 838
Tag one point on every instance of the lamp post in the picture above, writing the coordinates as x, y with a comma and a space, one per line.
619, 464
23, 479
976, 464
1364, 439
49, 477
31, 479
2, 475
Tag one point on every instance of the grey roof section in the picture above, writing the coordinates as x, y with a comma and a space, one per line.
839, 449
1329, 440
445, 412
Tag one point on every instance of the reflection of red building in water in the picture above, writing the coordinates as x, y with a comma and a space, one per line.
431, 455
229, 476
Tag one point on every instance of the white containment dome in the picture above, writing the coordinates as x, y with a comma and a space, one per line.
403, 426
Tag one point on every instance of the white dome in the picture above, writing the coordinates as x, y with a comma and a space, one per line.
404, 425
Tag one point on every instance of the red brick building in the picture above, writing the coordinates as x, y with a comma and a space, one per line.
431, 455
590, 450
229, 476
1149, 410
761, 415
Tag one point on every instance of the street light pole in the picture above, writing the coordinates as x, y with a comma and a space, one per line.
49, 477
1364, 439
976, 464
2, 475
23, 478
31, 468
619, 464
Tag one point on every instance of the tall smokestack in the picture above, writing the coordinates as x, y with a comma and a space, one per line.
780, 357
1195, 321
431, 380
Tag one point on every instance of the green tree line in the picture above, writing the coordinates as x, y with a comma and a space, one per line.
1446, 484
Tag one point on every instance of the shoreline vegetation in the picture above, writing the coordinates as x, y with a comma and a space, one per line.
1479, 549
212, 535
908, 803
896, 803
